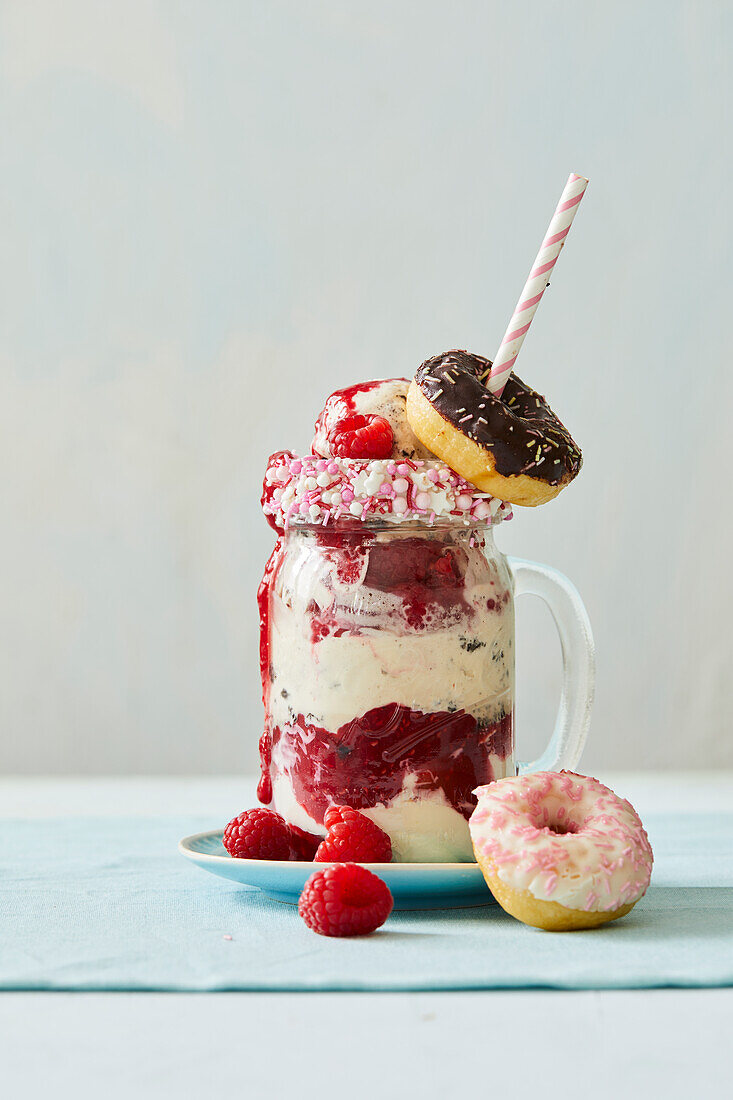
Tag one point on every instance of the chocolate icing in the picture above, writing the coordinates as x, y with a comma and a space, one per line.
519, 428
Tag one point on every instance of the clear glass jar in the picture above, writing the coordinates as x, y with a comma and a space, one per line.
390, 678
387, 656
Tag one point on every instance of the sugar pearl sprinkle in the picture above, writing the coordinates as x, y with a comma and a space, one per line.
317, 490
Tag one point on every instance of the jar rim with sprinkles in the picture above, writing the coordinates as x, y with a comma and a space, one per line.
313, 490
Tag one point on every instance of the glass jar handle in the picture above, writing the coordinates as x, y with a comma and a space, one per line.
578, 662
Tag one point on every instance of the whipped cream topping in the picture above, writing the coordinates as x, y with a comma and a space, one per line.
564, 838
321, 490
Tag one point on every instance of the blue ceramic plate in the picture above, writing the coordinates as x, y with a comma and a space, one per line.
413, 885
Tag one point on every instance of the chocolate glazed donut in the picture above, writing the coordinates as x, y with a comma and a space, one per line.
512, 446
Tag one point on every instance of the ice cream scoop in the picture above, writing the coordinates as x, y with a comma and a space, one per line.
384, 397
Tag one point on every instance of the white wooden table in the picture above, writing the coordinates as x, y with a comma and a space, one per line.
657, 1043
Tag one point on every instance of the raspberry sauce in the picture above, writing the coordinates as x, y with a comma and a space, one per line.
264, 787
367, 760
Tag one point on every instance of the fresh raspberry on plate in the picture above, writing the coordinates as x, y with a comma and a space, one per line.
346, 900
352, 838
257, 834
303, 845
361, 436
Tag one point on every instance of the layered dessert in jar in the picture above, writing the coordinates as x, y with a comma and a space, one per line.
387, 632
387, 649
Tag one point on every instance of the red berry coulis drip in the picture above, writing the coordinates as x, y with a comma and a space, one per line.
268, 490
264, 787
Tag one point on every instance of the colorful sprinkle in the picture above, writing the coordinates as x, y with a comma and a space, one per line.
377, 489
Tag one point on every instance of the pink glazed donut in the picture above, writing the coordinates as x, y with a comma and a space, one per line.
560, 851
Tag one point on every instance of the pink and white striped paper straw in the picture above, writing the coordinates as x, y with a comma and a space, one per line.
536, 284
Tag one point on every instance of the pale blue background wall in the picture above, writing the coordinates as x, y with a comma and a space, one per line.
215, 213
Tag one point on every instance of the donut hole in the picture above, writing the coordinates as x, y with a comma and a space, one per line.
553, 819
562, 828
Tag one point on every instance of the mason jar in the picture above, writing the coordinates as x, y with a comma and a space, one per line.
388, 653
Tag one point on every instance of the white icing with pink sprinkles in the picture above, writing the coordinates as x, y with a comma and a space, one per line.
564, 838
321, 490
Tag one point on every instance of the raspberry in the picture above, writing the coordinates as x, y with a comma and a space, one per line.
352, 838
303, 845
358, 436
265, 834
257, 834
346, 900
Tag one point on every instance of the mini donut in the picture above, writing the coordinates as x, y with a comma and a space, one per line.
560, 851
512, 446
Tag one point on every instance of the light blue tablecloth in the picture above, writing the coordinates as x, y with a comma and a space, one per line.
109, 904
